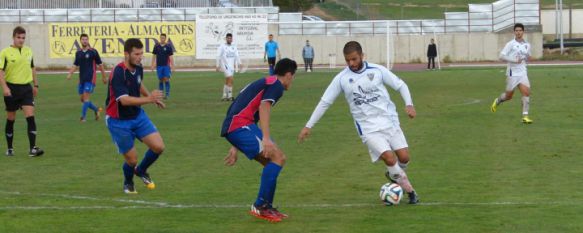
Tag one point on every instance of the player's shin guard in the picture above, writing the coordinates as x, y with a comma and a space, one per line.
525, 105
149, 158
268, 184
31, 131
128, 173
400, 176
9, 130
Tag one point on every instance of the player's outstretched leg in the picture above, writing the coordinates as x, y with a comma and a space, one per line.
397, 175
502, 98
156, 145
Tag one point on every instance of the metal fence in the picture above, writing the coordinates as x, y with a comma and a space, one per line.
71, 4
479, 18
124, 15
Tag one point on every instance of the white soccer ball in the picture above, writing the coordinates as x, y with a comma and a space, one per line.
391, 193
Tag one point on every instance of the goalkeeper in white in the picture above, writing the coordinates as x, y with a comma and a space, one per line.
375, 115
228, 61
516, 53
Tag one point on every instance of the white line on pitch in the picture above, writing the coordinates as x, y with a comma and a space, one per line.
292, 206
504, 65
472, 101
162, 205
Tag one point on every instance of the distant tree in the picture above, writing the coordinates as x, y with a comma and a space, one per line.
294, 5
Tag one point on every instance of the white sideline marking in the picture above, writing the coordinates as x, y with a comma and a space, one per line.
504, 64
300, 206
164, 205
472, 101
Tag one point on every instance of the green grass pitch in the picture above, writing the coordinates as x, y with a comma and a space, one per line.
475, 171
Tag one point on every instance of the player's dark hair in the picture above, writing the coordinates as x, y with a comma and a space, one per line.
18, 30
285, 65
132, 43
518, 25
83, 35
229, 35
163, 34
352, 46
270, 34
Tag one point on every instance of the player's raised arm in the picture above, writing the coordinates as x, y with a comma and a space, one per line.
330, 95
399, 85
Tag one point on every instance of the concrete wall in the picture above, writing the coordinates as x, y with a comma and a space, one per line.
571, 24
408, 48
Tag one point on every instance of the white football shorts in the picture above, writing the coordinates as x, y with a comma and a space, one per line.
385, 140
513, 81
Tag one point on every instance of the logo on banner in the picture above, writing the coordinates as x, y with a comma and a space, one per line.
58, 47
186, 45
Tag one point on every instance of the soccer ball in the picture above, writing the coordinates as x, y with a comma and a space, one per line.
391, 193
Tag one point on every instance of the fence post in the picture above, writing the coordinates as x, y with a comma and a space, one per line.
469, 22
514, 11
493, 16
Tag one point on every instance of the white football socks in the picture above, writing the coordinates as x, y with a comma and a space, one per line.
525, 105
399, 175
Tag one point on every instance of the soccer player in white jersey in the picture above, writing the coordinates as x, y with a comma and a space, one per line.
228, 61
375, 115
516, 53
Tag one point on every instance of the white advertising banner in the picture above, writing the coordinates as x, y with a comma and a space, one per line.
249, 34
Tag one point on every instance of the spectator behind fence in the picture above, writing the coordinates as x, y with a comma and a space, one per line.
431, 54
308, 55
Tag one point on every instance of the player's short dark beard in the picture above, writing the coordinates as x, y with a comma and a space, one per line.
359, 67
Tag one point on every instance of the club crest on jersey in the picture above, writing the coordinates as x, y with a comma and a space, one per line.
350, 80
370, 76
86, 55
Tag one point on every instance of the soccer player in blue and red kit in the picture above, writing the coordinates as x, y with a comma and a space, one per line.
240, 128
87, 59
126, 120
162, 61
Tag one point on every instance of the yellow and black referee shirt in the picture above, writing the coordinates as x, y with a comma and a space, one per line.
17, 64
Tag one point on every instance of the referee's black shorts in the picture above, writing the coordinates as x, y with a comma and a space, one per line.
21, 96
